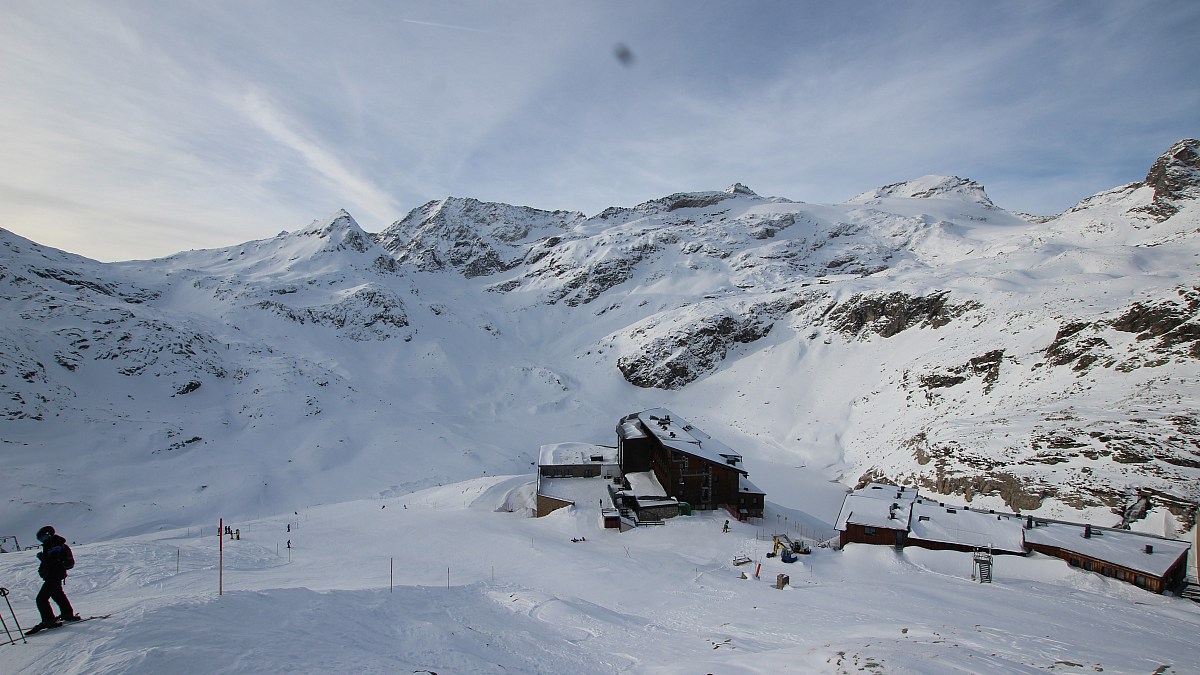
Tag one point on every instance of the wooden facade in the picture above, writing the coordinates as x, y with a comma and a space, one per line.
691, 466
547, 504
868, 534
1151, 582
896, 516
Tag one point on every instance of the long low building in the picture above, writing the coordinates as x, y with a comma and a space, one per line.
938, 526
898, 516
1153, 563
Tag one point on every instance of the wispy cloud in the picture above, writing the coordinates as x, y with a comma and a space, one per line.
433, 24
322, 161
209, 123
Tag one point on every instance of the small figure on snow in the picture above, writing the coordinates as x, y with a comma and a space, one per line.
56, 558
726, 528
237, 534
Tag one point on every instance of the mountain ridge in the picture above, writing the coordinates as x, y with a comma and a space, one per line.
916, 333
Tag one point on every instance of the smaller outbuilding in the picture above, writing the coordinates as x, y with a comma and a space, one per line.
578, 460
646, 498
560, 464
876, 514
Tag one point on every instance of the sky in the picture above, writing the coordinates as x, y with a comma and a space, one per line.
136, 129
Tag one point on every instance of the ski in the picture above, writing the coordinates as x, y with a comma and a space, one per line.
35, 630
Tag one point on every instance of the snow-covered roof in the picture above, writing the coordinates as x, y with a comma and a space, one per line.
628, 429
676, 433
645, 484
744, 485
931, 521
872, 511
565, 454
650, 502
892, 493
592, 491
1119, 547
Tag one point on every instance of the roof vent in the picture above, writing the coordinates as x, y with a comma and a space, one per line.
1150, 549
1087, 531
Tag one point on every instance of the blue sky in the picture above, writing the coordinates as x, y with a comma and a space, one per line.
138, 129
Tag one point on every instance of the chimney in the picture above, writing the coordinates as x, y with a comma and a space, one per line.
1029, 522
1087, 531
1149, 549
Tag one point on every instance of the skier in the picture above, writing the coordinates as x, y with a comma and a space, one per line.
726, 528
56, 559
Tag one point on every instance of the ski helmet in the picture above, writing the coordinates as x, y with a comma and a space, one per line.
45, 533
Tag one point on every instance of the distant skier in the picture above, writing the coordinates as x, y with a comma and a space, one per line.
56, 559
237, 534
726, 528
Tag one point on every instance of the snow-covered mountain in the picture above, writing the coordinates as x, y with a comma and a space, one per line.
917, 333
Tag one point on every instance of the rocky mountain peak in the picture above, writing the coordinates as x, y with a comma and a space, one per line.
739, 189
931, 187
342, 231
1175, 176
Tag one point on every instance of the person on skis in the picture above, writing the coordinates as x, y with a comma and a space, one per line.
56, 559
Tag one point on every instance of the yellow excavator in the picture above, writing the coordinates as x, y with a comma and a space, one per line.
787, 549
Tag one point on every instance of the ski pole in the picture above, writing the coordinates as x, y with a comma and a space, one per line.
4, 592
6, 631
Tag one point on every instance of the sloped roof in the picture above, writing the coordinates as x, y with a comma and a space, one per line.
745, 486
645, 484
870, 511
1119, 547
872, 507
934, 522
678, 434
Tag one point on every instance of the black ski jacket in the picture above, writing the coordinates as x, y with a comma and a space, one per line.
53, 555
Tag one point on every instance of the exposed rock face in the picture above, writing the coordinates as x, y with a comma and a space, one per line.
369, 313
674, 202
985, 367
1175, 177
476, 238
886, 314
673, 354
1167, 328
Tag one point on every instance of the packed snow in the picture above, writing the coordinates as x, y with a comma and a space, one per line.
449, 580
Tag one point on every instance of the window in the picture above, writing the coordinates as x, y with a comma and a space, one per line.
868, 530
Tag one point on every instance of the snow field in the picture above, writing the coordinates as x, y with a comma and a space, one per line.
487, 591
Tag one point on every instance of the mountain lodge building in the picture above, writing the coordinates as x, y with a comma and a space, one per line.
691, 466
